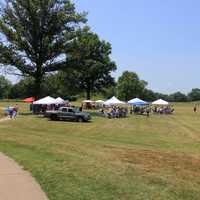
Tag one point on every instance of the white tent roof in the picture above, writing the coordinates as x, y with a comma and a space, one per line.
99, 101
114, 101
88, 101
45, 101
160, 102
60, 101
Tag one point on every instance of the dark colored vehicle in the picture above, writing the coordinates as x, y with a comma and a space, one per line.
67, 113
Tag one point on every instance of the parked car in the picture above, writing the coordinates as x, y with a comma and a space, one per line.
68, 113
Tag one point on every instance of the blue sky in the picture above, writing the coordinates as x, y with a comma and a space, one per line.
160, 40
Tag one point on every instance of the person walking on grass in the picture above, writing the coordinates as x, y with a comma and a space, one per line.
10, 112
195, 108
15, 110
148, 111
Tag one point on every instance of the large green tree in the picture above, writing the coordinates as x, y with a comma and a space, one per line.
34, 35
62, 85
23, 89
149, 95
178, 97
194, 95
129, 85
55, 85
5, 87
93, 62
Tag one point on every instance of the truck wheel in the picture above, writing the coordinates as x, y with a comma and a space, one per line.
80, 119
54, 117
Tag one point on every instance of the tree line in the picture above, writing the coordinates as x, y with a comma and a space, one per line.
68, 86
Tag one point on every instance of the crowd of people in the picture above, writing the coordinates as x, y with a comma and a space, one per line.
118, 112
114, 112
156, 110
163, 110
141, 110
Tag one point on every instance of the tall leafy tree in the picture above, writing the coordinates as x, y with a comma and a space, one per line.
109, 92
34, 35
149, 95
62, 85
5, 87
194, 95
23, 89
93, 63
53, 85
178, 97
129, 85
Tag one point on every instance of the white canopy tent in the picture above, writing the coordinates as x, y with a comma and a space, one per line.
114, 101
160, 102
60, 101
45, 101
88, 101
99, 102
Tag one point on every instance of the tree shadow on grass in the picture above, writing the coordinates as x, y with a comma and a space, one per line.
26, 113
68, 121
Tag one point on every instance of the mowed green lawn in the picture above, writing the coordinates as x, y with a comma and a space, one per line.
136, 158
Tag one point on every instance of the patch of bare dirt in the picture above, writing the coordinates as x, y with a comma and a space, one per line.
182, 165
158, 163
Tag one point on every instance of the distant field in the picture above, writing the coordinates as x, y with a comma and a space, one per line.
136, 158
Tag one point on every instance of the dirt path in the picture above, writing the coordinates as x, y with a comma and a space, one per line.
4, 119
15, 183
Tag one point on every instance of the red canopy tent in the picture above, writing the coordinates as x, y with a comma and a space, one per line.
29, 100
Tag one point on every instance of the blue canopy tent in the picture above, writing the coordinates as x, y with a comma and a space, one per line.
137, 102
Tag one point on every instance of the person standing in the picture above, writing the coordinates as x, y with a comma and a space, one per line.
10, 112
148, 111
15, 110
195, 108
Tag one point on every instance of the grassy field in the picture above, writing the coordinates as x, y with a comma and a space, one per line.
136, 158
